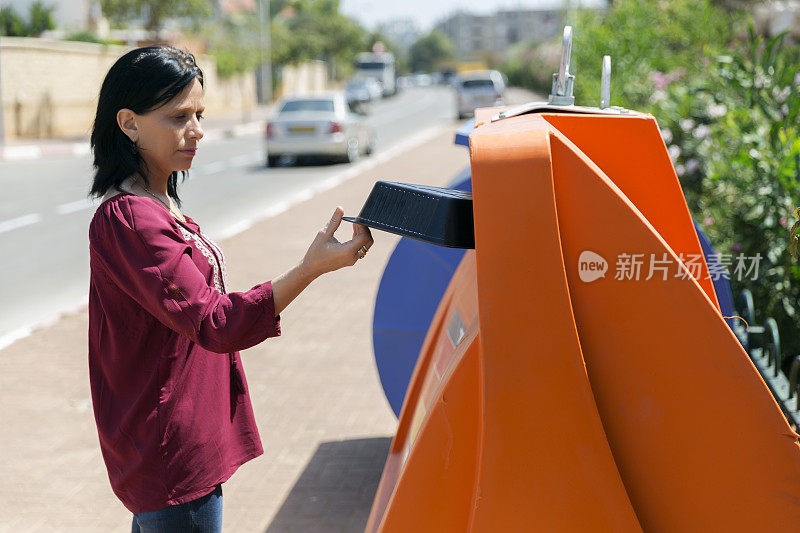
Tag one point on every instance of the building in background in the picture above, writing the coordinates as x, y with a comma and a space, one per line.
477, 36
401, 33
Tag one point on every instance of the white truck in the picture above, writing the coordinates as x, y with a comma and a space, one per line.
378, 65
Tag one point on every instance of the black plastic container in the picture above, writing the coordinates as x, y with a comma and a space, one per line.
430, 214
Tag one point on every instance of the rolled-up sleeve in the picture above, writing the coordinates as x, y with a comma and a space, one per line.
141, 249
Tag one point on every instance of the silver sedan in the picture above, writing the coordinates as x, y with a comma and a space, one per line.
317, 125
479, 88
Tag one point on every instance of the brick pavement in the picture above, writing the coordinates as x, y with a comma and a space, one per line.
324, 421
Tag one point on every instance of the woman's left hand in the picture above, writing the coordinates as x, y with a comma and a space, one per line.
327, 254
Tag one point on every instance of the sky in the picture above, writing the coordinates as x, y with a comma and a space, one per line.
427, 12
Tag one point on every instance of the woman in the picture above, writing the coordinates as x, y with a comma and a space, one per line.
170, 398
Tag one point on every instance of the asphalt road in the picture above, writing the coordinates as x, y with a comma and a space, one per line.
45, 211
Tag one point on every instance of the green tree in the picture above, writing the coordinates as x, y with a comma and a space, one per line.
430, 51
313, 29
377, 37
11, 23
281, 43
40, 18
234, 43
155, 12
317, 31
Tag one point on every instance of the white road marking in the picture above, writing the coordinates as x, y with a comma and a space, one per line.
234, 162
389, 116
271, 211
251, 128
17, 153
77, 205
212, 168
11, 338
337, 179
213, 135
46, 321
19, 222
241, 160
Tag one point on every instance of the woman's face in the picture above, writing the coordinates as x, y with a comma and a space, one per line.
169, 135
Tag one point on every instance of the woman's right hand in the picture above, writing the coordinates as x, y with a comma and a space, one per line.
327, 254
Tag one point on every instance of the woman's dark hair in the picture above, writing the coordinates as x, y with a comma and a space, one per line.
142, 80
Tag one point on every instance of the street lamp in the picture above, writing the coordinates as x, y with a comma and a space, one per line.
265, 72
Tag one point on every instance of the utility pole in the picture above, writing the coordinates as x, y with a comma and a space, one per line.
265, 72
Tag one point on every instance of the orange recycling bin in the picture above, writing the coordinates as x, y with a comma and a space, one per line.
554, 394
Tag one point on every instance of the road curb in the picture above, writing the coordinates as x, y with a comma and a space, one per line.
30, 152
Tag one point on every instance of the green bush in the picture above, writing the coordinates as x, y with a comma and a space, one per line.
644, 36
11, 23
752, 182
40, 19
532, 66
88, 36
733, 136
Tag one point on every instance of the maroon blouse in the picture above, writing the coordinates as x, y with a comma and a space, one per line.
170, 398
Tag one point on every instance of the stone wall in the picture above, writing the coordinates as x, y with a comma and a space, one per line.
310, 77
49, 88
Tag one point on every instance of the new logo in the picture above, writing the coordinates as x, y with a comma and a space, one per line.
591, 266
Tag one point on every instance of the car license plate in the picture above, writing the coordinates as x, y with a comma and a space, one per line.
302, 129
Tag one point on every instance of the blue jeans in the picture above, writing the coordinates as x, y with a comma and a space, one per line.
203, 515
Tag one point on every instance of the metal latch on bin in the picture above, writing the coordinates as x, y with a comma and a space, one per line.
561, 99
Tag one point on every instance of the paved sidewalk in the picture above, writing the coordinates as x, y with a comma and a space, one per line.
324, 422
